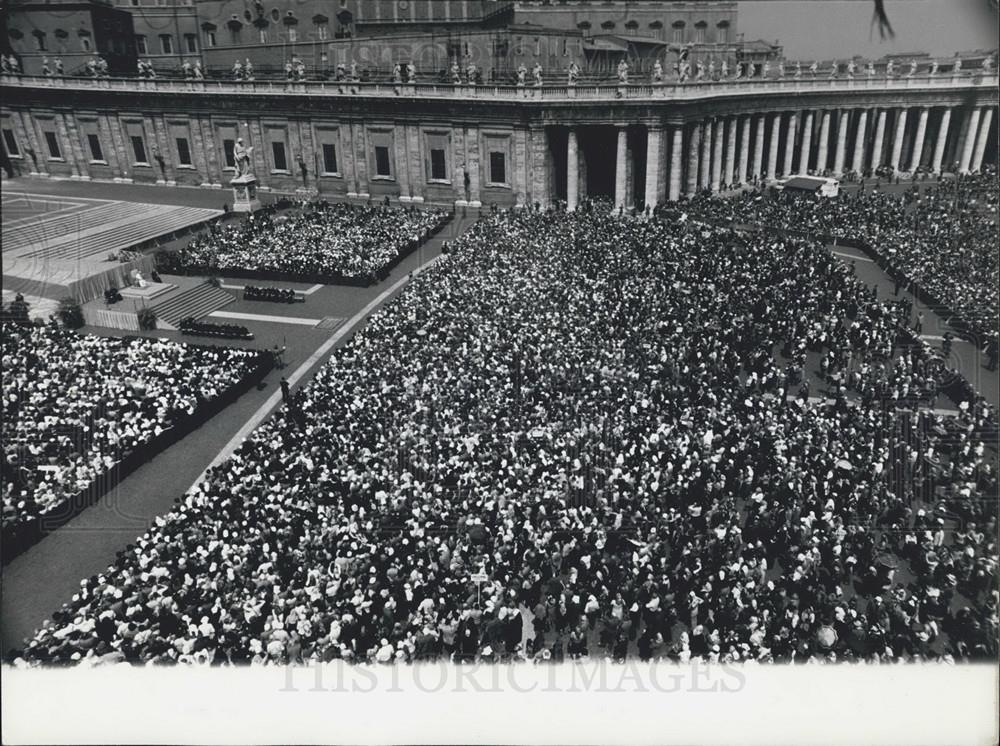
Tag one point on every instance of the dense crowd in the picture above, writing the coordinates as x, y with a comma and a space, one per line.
321, 240
610, 418
944, 238
75, 405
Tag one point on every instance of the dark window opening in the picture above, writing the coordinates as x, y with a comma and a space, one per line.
11, 142
227, 149
96, 154
139, 148
52, 141
382, 161
438, 168
278, 151
329, 158
183, 152
498, 168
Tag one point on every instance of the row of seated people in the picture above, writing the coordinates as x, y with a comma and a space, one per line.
322, 240
590, 410
75, 406
943, 239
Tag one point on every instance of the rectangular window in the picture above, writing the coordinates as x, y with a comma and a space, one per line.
140, 44
227, 153
699, 35
183, 151
210, 38
678, 35
439, 168
85, 43
293, 35
278, 153
138, 148
53, 142
322, 32
382, 161
263, 36
135, 3
191, 41
39, 40
96, 154
166, 44
11, 143
498, 168
722, 35
329, 158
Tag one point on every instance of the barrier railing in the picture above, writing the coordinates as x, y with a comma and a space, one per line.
672, 90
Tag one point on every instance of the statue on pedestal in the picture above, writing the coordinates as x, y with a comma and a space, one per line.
244, 183
241, 156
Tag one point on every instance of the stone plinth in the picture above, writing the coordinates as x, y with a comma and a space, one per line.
245, 193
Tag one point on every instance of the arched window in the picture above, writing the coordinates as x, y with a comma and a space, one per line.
608, 25
583, 25
699, 32
235, 26
722, 32
632, 26
656, 25
677, 29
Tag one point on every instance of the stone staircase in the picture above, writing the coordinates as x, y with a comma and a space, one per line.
197, 302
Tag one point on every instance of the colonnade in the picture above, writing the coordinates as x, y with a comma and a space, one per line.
716, 152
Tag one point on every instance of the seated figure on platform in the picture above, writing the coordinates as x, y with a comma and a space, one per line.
140, 281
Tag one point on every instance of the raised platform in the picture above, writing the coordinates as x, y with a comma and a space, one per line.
55, 247
152, 290
171, 301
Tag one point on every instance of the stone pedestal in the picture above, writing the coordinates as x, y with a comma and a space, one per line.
245, 193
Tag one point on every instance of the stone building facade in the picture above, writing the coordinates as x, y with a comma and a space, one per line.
496, 144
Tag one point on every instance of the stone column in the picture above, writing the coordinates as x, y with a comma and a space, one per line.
822, 155
858, 161
744, 149
654, 165
942, 140
772, 149
26, 134
984, 134
66, 121
472, 165
758, 147
970, 141
788, 166
521, 169
416, 165
620, 169
841, 152
676, 162
807, 136
717, 127
879, 145
539, 167
897, 140
705, 175
694, 145
572, 171
731, 151
918, 143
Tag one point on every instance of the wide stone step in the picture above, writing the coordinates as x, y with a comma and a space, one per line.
196, 302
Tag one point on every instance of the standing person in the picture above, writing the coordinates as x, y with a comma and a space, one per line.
918, 327
286, 390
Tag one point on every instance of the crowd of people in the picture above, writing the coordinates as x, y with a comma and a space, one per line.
609, 417
76, 405
320, 240
942, 239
